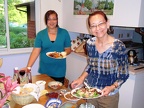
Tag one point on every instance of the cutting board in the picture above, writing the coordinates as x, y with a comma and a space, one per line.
80, 48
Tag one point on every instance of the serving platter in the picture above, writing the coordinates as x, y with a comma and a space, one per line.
86, 93
56, 55
70, 97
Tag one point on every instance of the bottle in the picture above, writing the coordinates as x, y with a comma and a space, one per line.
29, 75
16, 75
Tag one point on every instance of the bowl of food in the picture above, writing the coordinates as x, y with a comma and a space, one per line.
55, 84
24, 95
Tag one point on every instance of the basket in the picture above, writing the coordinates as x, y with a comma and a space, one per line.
22, 99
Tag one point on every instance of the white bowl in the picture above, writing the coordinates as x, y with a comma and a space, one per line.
55, 84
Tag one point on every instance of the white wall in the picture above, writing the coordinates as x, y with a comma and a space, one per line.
17, 60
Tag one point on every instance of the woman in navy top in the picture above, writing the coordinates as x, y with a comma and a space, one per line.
107, 67
52, 38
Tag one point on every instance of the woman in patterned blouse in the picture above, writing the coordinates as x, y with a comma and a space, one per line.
107, 67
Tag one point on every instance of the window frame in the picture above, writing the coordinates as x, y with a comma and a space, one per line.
8, 51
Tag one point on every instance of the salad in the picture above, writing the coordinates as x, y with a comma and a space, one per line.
86, 93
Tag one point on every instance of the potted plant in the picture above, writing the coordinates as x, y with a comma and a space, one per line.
6, 88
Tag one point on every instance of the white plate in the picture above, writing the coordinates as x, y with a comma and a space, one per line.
70, 99
53, 103
33, 106
84, 94
54, 57
55, 84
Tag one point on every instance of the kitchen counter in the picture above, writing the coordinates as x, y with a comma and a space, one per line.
138, 71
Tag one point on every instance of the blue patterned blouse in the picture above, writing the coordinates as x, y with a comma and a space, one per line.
108, 67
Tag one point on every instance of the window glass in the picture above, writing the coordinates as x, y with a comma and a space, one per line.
2, 25
20, 30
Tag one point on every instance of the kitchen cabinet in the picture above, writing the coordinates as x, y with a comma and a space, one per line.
127, 13
131, 92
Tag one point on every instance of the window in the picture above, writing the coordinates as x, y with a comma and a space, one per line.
17, 25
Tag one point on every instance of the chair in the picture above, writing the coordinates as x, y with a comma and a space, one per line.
1, 62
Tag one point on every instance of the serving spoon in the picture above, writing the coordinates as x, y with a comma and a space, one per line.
86, 85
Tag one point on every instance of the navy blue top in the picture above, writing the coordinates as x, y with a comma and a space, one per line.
108, 67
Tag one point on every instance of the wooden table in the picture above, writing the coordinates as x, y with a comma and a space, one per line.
43, 99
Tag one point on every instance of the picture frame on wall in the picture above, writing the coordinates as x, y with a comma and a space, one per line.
85, 7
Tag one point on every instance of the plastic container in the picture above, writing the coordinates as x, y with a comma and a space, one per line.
29, 75
16, 75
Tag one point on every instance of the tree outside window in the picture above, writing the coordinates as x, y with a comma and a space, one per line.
17, 24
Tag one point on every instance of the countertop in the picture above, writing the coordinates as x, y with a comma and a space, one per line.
131, 68
138, 71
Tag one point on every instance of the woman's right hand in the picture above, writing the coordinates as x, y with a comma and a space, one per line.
25, 69
76, 83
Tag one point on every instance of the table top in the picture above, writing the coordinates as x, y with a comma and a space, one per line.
43, 99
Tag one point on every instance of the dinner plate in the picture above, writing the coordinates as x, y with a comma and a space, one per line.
53, 103
70, 97
34, 105
86, 93
55, 84
60, 55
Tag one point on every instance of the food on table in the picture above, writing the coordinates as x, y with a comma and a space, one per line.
52, 95
43, 92
69, 96
55, 55
55, 84
86, 92
25, 91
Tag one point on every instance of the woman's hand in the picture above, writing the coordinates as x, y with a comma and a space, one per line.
107, 90
76, 83
79, 81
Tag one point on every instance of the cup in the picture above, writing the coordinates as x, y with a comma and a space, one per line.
41, 84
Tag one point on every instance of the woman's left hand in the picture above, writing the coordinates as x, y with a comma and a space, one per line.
107, 90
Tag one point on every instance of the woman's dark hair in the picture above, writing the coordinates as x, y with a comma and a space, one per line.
95, 13
48, 13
